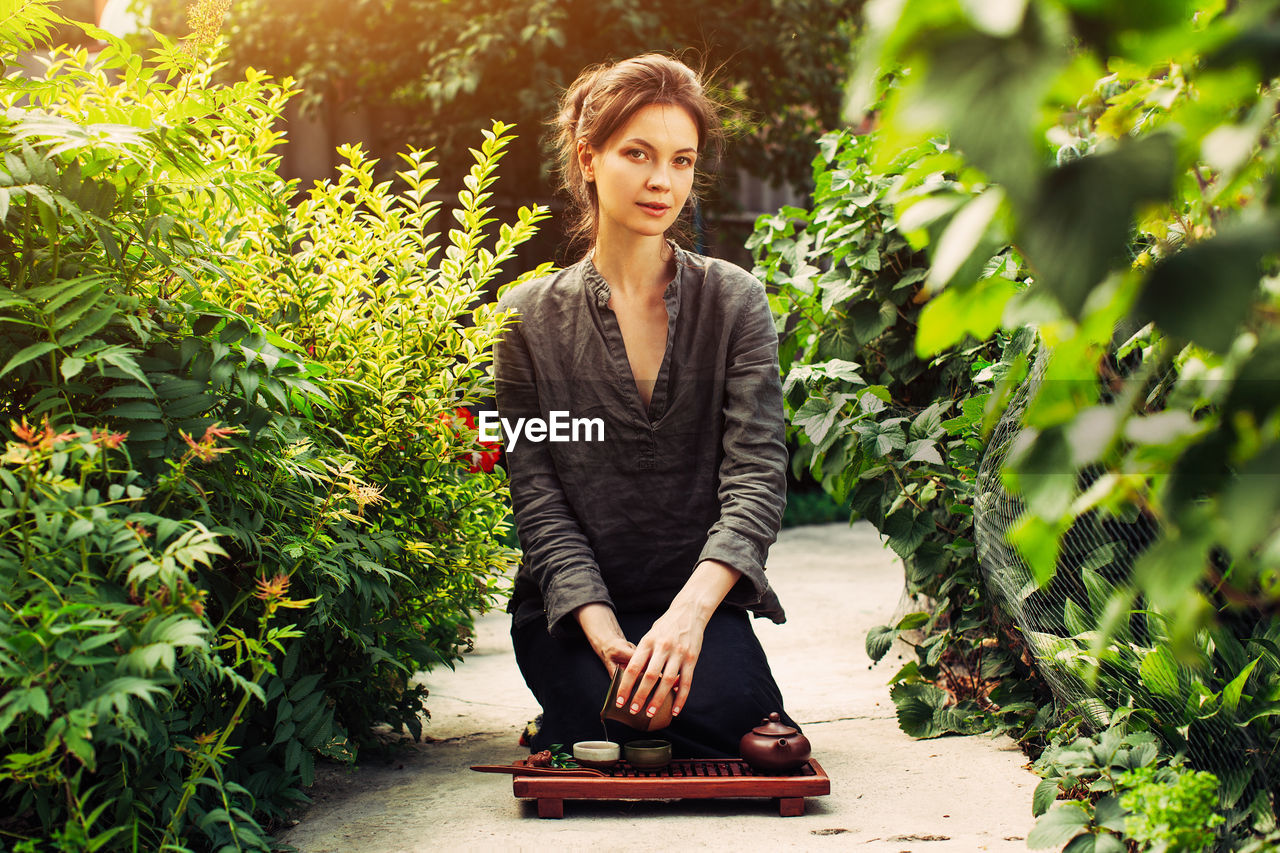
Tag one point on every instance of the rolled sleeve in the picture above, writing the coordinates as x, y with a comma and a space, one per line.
753, 485
557, 554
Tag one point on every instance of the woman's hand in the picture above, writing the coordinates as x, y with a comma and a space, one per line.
665, 658
600, 624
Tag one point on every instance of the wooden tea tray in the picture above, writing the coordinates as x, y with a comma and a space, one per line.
690, 778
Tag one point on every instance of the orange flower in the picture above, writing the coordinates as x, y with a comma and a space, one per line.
272, 589
206, 448
42, 438
214, 432
109, 440
138, 530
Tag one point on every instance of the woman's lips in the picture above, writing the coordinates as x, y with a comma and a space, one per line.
654, 208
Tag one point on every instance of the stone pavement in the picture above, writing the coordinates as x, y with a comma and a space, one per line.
889, 793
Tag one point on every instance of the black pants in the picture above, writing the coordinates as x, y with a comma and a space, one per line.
733, 688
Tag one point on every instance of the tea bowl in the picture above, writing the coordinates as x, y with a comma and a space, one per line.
599, 754
648, 754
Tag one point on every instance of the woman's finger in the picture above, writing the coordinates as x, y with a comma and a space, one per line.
631, 673
651, 679
668, 681
618, 656
683, 688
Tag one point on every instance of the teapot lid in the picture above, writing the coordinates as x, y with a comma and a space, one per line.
773, 726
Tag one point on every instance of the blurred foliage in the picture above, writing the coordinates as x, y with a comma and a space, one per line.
814, 507
236, 507
448, 66
1124, 155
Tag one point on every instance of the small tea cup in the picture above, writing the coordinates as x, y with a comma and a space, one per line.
652, 754
596, 753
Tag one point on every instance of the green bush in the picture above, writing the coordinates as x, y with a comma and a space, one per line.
230, 532
897, 436
1119, 790
355, 274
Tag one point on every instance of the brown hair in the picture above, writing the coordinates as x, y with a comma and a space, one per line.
603, 99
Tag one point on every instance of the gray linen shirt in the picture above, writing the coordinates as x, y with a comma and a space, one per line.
700, 475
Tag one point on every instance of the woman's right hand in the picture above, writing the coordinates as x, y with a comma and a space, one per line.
600, 624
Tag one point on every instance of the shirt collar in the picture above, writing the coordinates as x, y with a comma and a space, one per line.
600, 288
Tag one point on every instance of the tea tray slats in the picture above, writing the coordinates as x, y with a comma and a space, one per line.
697, 778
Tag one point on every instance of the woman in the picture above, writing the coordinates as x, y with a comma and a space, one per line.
644, 548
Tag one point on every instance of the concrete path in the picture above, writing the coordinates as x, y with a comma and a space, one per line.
889, 793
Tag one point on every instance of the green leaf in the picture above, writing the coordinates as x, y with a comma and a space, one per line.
137, 410
79, 527
906, 529
919, 706
912, 621
923, 450
963, 237
879, 640
116, 693
1082, 844
995, 17
816, 418
1175, 297
71, 367
1107, 811
1077, 620
1170, 569
1078, 228
1107, 843
1161, 675
1232, 692
1038, 542
1061, 824
1161, 428
1045, 794
27, 354
928, 424
1251, 503
177, 631
966, 309
886, 437
869, 320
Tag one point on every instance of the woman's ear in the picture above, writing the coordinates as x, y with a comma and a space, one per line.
585, 156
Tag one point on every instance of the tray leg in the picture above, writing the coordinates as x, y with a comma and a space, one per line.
787, 806
554, 807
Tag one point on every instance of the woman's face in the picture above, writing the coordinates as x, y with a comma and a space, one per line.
643, 173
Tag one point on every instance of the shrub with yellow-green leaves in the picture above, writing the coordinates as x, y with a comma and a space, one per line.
231, 529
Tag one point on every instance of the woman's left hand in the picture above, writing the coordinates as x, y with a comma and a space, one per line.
665, 657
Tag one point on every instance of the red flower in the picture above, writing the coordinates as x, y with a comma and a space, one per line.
483, 455
484, 460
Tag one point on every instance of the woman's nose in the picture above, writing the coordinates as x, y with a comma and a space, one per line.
658, 179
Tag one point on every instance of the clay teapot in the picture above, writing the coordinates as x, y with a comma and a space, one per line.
774, 747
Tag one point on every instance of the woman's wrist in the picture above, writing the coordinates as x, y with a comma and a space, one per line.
707, 587
599, 623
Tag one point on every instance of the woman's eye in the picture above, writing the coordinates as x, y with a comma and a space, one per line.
636, 154
684, 161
